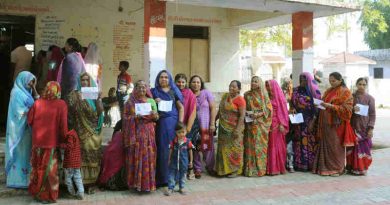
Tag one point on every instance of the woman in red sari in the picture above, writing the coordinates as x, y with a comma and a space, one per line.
359, 158
48, 118
277, 153
334, 131
139, 140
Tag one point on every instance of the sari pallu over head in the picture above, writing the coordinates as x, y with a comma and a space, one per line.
280, 101
20, 102
312, 86
71, 67
55, 62
340, 115
159, 93
261, 102
52, 91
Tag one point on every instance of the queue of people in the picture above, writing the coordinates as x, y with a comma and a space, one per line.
165, 147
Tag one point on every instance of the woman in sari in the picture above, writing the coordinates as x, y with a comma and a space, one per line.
304, 143
334, 131
256, 132
71, 68
204, 126
139, 140
359, 158
189, 110
49, 121
93, 63
166, 90
18, 135
276, 162
55, 58
230, 135
86, 118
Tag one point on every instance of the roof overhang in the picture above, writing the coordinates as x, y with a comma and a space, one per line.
278, 11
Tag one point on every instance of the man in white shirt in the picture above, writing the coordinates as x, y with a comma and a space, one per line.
20, 60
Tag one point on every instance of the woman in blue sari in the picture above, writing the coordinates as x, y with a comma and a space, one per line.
18, 136
166, 90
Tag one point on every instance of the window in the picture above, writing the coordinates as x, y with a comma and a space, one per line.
191, 51
378, 73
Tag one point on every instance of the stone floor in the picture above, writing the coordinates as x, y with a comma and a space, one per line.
295, 188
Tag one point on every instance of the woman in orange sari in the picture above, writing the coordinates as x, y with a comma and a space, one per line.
334, 129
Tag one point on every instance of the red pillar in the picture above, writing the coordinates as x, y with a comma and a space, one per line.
154, 38
302, 44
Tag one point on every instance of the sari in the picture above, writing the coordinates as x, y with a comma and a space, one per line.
93, 63
52, 112
165, 129
334, 132
359, 158
189, 103
202, 127
230, 148
18, 134
140, 145
256, 132
84, 119
276, 162
71, 68
304, 143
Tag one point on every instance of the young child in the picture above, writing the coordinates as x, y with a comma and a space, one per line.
72, 164
123, 84
180, 159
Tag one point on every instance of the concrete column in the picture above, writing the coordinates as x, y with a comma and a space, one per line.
155, 41
302, 44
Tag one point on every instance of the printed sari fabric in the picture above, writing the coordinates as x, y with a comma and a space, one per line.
44, 178
83, 118
277, 153
359, 157
304, 143
18, 135
230, 148
256, 132
165, 129
139, 141
334, 132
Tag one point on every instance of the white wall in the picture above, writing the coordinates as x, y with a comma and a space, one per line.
353, 72
381, 64
224, 41
380, 89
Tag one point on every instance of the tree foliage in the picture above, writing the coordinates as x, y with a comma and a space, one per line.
375, 20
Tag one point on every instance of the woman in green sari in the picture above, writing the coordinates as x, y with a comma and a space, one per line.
86, 117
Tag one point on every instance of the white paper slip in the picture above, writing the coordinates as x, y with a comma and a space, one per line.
318, 103
363, 110
143, 108
89, 93
165, 106
247, 118
296, 118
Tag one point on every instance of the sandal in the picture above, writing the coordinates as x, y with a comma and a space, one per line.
198, 175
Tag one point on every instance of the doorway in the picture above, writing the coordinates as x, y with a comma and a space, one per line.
191, 51
14, 31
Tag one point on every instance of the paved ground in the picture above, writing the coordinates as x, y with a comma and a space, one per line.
296, 188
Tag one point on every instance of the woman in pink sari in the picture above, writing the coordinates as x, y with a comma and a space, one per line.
276, 162
189, 110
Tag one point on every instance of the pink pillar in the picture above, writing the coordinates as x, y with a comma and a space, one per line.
302, 44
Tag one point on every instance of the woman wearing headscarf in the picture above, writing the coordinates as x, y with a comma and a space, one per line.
18, 133
139, 140
304, 143
86, 118
93, 63
230, 133
276, 162
49, 122
334, 131
166, 90
256, 132
55, 58
71, 68
359, 158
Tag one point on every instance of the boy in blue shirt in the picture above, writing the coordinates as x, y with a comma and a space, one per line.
180, 159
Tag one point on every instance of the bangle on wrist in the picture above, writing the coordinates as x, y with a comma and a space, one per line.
36, 97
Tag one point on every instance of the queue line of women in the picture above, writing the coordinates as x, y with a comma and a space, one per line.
253, 147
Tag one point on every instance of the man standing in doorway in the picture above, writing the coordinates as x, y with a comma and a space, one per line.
20, 59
